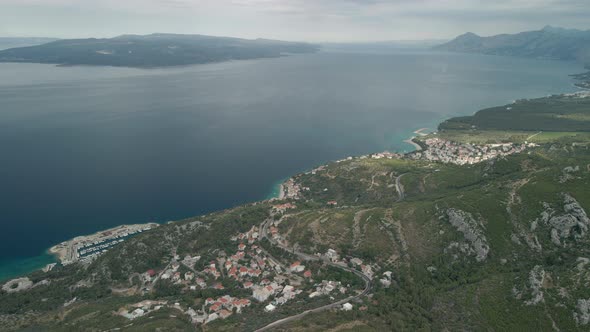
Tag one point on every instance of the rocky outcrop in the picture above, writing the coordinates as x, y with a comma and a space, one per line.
472, 229
17, 285
573, 222
536, 279
582, 314
567, 174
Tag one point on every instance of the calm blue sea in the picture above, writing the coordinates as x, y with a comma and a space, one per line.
87, 148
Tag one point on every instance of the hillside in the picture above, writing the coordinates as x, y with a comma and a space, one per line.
547, 43
155, 50
11, 42
467, 234
555, 113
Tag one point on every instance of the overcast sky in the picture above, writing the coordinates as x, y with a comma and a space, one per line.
305, 20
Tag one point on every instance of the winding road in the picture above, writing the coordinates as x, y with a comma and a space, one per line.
306, 257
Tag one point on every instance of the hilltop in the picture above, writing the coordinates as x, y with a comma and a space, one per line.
155, 50
484, 228
547, 43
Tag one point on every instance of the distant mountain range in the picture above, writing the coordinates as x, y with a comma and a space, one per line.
155, 50
548, 43
11, 42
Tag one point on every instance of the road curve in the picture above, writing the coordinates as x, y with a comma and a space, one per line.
303, 256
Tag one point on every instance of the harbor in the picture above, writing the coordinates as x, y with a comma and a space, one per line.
87, 248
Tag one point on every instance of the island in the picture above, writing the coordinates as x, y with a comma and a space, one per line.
155, 50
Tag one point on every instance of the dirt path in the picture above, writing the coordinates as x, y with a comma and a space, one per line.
357, 234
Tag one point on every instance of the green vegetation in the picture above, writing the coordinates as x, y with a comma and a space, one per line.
498, 245
556, 114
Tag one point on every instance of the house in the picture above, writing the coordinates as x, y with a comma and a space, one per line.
297, 267
332, 203
367, 270
269, 308
241, 246
176, 276
307, 274
218, 286
347, 306
288, 289
262, 294
248, 284
215, 307
201, 282
356, 261
243, 271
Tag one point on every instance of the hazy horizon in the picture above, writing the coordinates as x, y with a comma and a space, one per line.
319, 21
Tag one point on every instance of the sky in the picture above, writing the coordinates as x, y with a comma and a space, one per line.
301, 20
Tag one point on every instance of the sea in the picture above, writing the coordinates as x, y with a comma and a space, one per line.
87, 148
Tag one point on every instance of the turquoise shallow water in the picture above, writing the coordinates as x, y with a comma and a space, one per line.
89, 148
18, 266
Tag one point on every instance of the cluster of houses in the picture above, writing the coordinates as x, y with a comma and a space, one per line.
326, 287
253, 269
291, 190
446, 151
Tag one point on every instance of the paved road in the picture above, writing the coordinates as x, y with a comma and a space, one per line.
307, 257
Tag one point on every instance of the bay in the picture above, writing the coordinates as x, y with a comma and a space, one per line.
88, 148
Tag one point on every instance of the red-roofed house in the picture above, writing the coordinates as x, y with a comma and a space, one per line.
297, 267
243, 271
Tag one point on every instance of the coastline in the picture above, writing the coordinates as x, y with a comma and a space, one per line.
87, 247
23, 266
418, 132
410, 141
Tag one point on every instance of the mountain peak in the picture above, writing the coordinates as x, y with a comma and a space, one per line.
469, 35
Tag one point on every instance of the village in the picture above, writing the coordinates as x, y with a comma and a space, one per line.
255, 275
445, 151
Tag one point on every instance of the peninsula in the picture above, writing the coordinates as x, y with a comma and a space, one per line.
155, 50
